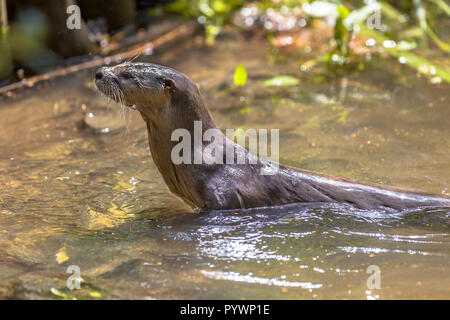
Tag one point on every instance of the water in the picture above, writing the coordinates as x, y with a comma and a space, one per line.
78, 187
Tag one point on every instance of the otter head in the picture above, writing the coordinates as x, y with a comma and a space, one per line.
163, 96
146, 87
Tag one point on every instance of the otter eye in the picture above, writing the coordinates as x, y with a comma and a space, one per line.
168, 84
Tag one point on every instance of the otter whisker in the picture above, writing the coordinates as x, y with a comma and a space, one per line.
142, 85
120, 98
135, 57
108, 95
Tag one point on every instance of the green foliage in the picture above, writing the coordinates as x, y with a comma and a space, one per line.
442, 5
214, 14
421, 64
420, 14
408, 23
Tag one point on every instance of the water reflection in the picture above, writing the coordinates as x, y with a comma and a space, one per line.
311, 241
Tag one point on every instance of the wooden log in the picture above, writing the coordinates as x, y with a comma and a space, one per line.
6, 63
3, 14
178, 33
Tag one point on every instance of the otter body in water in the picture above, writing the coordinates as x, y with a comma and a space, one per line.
168, 100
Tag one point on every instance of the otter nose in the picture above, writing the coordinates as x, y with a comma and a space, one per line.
99, 75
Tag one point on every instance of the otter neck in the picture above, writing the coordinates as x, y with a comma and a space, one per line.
160, 127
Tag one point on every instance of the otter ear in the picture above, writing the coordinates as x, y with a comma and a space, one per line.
168, 84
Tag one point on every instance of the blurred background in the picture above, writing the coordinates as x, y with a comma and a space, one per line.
35, 37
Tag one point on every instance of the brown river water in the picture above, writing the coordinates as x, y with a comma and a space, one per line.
79, 187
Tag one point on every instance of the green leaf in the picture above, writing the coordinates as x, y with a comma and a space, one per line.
441, 44
343, 11
220, 6
281, 81
95, 294
240, 76
62, 295
58, 293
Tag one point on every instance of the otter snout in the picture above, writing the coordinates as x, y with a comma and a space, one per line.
105, 76
108, 82
99, 75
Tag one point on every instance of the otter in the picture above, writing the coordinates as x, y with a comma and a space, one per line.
168, 100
